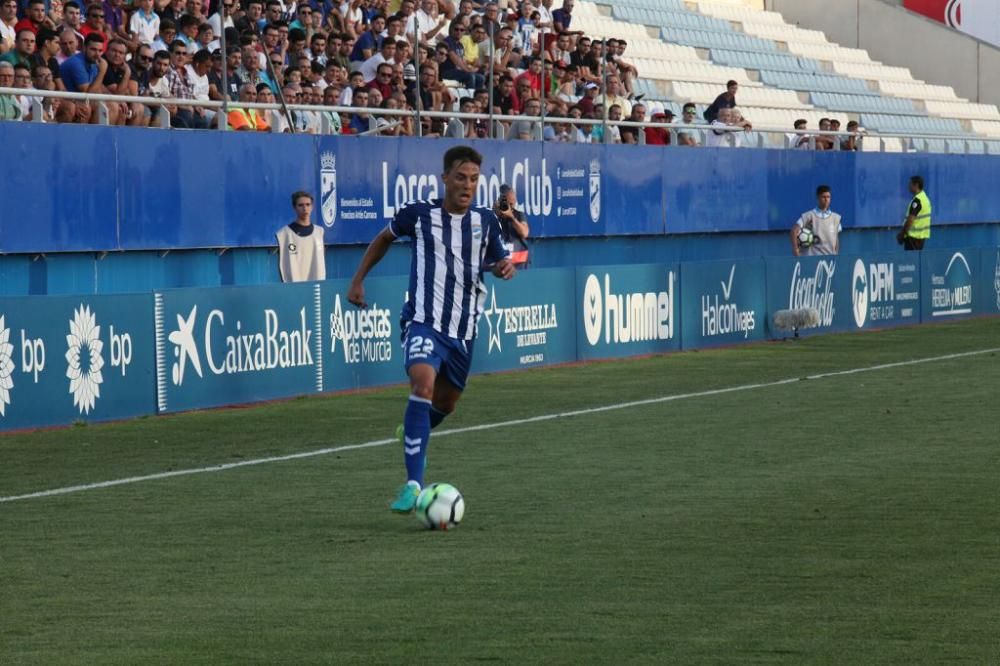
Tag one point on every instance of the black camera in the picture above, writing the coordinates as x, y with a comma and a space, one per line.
503, 205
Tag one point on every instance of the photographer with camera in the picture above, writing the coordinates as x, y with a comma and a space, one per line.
513, 226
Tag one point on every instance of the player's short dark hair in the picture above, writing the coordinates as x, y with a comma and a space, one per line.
730, 83
822, 189
801, 123
201, 57
93, 37
298, 194
918, 181
459, 155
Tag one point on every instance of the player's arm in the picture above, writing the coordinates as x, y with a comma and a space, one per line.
497, 257
376, 250
796, 229
910, 219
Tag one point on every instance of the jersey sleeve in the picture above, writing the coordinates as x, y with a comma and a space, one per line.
404, 223
495, 249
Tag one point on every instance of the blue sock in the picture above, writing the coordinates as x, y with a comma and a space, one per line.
416, 433
436, 417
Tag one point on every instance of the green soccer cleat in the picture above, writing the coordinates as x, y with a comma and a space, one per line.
406, 499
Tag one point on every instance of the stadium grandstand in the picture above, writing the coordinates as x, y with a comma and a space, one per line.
296, 68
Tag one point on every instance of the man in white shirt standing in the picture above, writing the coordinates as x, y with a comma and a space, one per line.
824, 225
300, 244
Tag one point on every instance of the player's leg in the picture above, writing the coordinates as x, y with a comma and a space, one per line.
446, 396
451, 380
423, 360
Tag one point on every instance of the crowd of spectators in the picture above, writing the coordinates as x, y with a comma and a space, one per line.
432, 55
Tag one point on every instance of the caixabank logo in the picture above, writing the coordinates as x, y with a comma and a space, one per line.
621, 318
210, 352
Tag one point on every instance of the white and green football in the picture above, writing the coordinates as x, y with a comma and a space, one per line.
440, 506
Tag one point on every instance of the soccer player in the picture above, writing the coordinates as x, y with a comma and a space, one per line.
453, 243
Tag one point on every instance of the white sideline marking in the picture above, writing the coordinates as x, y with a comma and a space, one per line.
486, 426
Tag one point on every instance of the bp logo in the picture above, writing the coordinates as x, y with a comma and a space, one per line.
595, 191
328, 187
593, 309
84, 359
6, 366
859, 297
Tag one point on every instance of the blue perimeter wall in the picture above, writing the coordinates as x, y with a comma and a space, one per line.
113, 356
80, 192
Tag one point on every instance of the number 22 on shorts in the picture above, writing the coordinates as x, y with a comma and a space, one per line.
419, 347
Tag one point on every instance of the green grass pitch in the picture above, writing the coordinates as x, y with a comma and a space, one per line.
849, 519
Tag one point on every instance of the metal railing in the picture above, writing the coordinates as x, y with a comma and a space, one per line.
758, 136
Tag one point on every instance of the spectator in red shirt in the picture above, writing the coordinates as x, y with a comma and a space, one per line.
35, 18
533, 76
659, 136
95, 24
383, 80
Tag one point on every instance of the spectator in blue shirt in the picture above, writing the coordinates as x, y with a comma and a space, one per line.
84, 71
369, 42
563, 17
359, 121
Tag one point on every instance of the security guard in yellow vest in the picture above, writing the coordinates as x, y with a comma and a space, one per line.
917, 227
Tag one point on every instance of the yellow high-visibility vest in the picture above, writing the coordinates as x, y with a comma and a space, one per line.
921, 227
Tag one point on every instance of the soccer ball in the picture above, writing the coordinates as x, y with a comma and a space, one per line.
440, 506
806, 237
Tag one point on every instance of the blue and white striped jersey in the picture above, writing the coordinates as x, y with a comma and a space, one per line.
449, 252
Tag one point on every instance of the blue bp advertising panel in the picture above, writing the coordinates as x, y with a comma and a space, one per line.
64, 359
949, 283
989, 284
884, 289
626, 310
238, 344
527, 321
362, 347
722, 302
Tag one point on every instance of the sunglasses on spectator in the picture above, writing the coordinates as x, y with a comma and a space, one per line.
96, 15
144, 58
180, 53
